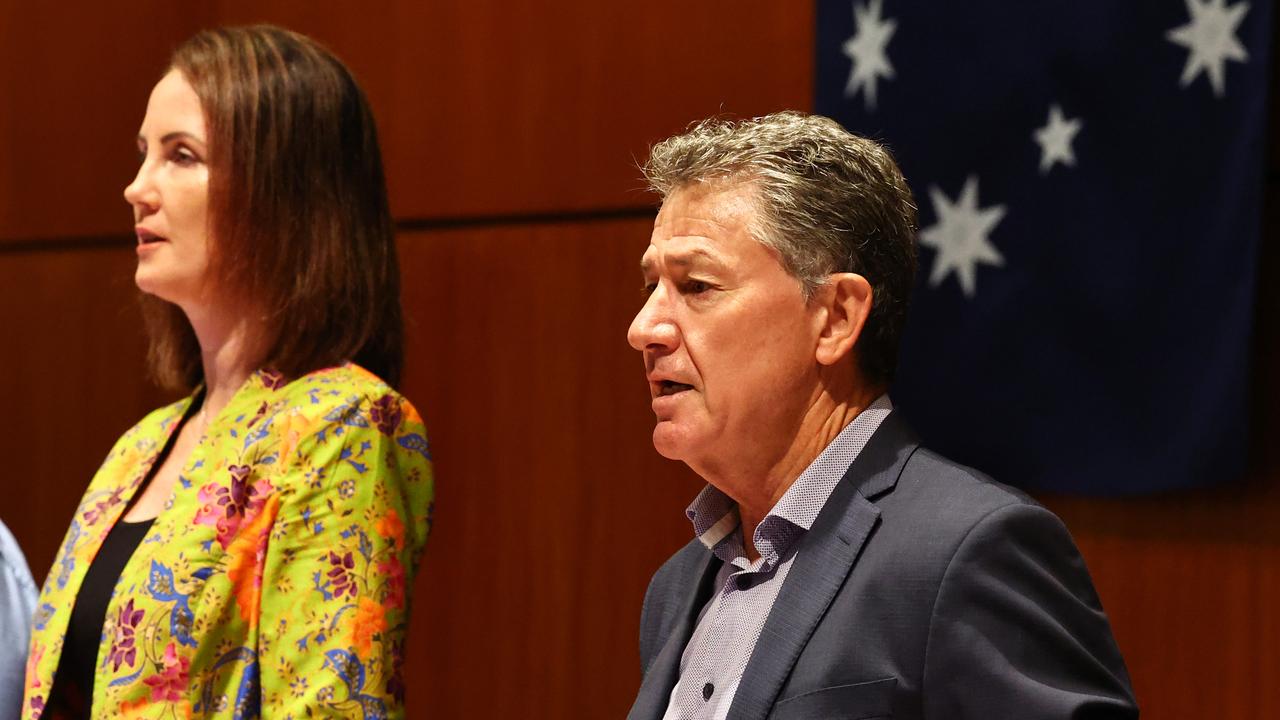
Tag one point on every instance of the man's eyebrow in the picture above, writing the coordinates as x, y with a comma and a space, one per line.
683, 259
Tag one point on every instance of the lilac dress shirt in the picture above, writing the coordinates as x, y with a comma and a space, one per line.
729, 625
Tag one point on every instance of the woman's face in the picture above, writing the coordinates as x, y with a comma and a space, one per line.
170, 195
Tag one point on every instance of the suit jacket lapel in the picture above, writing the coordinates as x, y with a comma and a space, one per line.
824, 558
655, 692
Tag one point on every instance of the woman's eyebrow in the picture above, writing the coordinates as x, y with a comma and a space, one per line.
175, 135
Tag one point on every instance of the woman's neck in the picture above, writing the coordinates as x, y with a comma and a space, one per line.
225, 356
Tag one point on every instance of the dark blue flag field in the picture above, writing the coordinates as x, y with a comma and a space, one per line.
1089, 180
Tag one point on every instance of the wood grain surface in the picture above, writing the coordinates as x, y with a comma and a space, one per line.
485, 108
553, 509
510, 132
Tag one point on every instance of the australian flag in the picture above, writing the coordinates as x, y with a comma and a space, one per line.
1089, 176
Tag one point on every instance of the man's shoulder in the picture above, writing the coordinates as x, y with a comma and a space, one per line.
943, 489
935, 504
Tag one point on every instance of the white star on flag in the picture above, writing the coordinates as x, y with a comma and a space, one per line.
1055, 139
866, 50
960, 236
1210, 38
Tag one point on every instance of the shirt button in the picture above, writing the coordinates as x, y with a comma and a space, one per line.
744, 582
707, 690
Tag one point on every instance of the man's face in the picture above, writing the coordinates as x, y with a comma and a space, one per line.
727, 337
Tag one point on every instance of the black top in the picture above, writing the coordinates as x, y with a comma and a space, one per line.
73, 684
73, 681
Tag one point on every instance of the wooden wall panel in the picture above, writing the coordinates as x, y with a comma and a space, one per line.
74, 81
493, 107
72, 382
1190, 582
553, 509
486, 107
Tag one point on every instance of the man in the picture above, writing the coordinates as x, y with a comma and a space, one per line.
17, 603
838, 569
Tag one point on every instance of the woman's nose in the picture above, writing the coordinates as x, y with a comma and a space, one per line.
141, 193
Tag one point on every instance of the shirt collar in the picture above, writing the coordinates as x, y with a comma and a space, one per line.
714, 515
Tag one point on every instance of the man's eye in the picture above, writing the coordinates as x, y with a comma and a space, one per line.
696, 287
648, 289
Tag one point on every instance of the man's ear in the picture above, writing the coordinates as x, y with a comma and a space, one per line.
846, 303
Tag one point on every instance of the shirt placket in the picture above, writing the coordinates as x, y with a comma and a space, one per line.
713, 670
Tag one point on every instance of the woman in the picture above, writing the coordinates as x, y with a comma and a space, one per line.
249, 549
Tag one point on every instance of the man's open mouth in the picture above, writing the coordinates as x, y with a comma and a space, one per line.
669, 387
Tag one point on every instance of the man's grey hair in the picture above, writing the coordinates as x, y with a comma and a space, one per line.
825, 199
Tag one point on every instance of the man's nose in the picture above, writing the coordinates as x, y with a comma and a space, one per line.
654, 327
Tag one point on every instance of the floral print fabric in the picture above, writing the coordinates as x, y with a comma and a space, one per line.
275, 582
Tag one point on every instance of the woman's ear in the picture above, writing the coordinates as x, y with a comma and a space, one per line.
846, 302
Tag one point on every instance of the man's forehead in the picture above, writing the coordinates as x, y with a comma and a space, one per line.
700, 207
701, 223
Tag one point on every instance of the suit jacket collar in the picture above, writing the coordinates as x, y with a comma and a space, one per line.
824, 558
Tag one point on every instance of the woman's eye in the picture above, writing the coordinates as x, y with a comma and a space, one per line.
183, 156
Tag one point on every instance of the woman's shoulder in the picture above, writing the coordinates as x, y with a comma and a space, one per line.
335, 388
337, 414
345, 395
348, 378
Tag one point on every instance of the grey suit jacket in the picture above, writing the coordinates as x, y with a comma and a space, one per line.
923, 590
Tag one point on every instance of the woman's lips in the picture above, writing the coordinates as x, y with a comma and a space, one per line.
146, 237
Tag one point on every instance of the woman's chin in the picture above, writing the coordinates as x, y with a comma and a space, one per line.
148, 284
158, 285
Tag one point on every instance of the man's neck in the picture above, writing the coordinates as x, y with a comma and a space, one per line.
826, 417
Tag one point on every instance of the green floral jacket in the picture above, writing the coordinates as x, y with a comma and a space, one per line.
276, 580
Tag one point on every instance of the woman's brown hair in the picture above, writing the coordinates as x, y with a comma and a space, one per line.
299, 222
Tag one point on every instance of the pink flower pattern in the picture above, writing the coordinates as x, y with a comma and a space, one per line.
170, 683
227, 507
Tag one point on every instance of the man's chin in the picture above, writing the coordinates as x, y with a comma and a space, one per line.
670, 440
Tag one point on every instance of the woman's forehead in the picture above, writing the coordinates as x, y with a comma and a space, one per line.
174, 107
